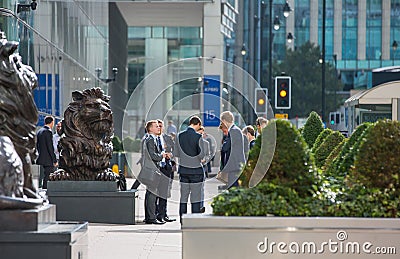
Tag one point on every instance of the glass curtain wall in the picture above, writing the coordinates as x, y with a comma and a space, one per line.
279, 36
329, 37
63, 42
302, 22
374, 32
145, 44
182, 42
395, 31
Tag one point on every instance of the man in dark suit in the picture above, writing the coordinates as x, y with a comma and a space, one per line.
166, 144
191, 157
153, 155
225, 146
44, 144
235, 152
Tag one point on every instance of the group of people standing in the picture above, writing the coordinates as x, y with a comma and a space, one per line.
159, 151
193, 151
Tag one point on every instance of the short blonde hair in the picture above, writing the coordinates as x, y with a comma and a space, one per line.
149, 124
261, 121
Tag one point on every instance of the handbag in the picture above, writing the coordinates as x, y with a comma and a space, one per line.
222, 177
149, 176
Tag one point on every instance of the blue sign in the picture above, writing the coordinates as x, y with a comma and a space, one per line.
211, 100
43, 95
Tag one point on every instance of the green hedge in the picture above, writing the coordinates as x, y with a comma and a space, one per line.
312, 128
370, 189
291, 165
327, 146
117, 144
345, 159
321, 138
266, 199
377, 162
131, 145
336, 151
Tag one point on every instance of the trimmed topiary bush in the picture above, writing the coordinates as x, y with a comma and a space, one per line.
342, 163
336, 151
377, 162
371, 189
117, 144
324, 150
312, 128
292, 164
321, 138
131, 145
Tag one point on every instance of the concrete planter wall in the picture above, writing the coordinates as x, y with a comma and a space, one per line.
35, 234
289, 237
93, 201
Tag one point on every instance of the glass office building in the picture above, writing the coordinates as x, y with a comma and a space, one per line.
64, 42
362, 34
67, 42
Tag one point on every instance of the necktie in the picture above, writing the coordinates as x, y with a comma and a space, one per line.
160, 147
159, 144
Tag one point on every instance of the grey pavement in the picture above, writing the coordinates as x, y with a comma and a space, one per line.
109, 241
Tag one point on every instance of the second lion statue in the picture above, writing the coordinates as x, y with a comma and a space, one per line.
86, 138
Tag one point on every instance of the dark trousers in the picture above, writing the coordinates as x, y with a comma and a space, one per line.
41, 176
149, 206
191, 184
136, 184
163, 190
48, 169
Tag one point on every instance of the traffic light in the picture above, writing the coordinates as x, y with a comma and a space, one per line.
332, 118
283, 92
260, 100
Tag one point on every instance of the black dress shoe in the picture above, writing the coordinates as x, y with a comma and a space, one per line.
155, 222
168, 219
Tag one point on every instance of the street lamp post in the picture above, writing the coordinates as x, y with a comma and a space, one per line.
336, 77
276, 25
270, 48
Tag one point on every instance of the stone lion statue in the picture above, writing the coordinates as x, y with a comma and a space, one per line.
18, 118
86, 133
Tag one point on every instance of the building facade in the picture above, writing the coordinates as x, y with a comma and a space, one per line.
361, 35
67, 42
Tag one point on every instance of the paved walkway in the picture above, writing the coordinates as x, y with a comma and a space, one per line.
107, 241
142, 241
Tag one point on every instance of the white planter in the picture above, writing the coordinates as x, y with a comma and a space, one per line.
205, 236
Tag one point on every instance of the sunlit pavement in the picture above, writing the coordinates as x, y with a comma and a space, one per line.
108, 241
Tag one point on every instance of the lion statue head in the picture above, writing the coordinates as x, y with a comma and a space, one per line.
85, 144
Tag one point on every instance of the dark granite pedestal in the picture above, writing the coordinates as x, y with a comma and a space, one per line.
92, 201
35, 234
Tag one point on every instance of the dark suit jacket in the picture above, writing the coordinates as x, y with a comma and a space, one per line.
169, 143
44, 145
225, 150
151, 154
235, 151
189, 148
